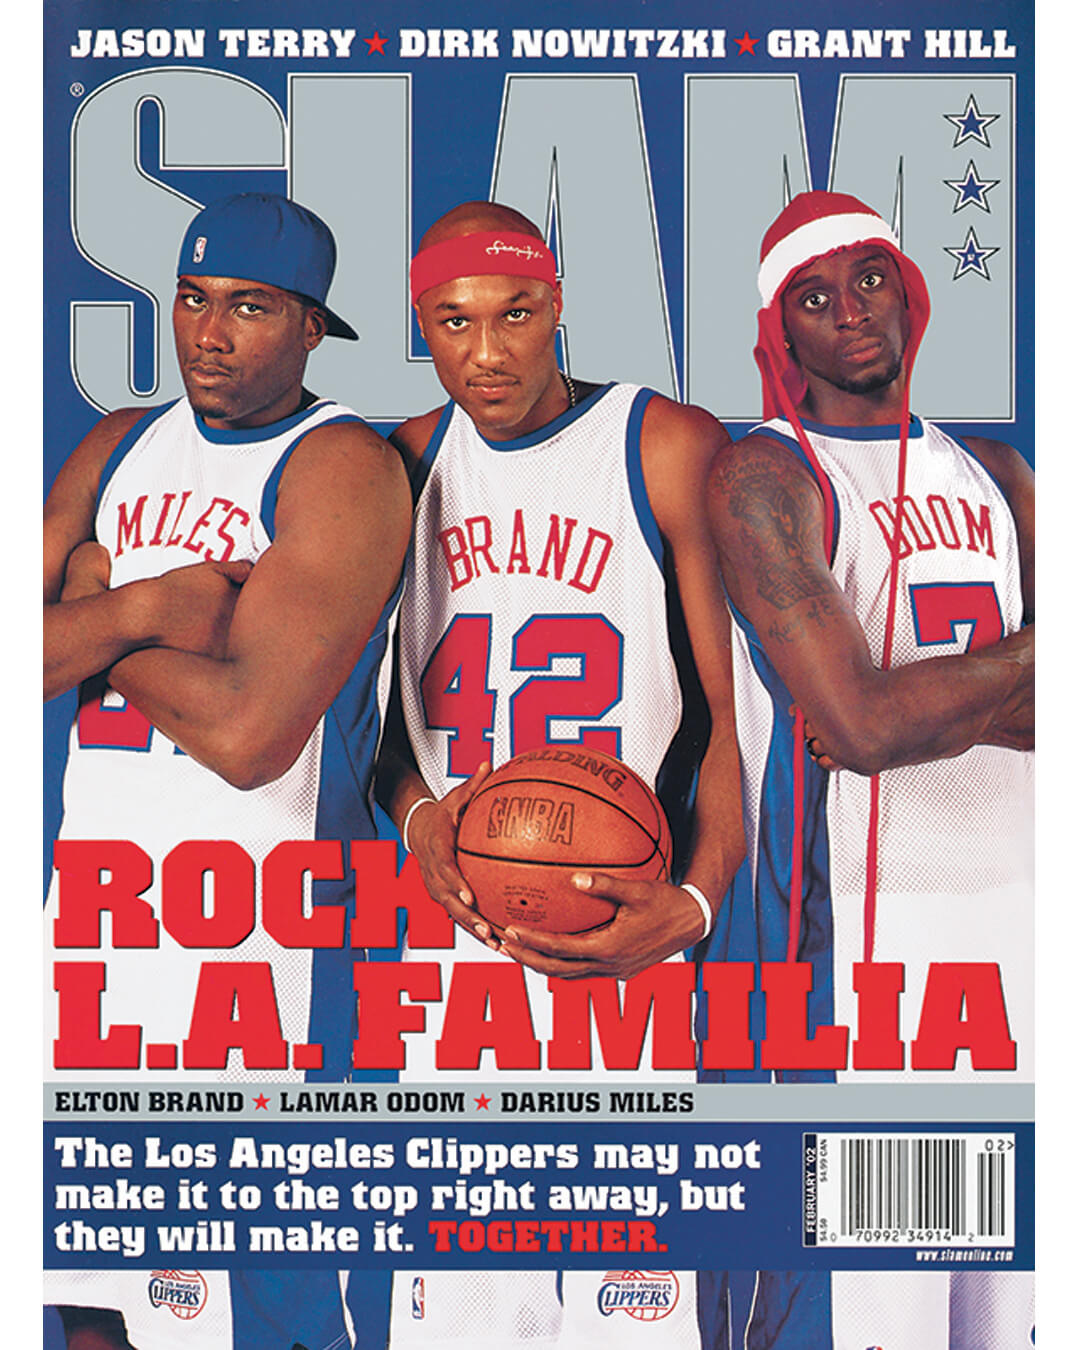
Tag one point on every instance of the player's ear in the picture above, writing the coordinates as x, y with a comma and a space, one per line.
557, 300
315, 325
420, 320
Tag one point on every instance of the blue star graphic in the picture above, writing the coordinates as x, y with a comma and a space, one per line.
971, 123
971, 257
971, 190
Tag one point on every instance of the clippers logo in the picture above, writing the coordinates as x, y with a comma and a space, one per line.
199, 249
183, 1292
418, 1298
645, 1295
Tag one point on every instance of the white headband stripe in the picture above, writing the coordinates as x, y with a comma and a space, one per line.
812, 240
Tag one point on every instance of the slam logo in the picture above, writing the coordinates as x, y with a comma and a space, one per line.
183, 1292
646, 1295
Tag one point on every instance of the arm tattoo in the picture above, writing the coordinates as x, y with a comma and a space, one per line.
791, 630
779, 541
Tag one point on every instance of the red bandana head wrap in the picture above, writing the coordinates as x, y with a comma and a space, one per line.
813, 225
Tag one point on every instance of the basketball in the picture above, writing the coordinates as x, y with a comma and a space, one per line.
546, 814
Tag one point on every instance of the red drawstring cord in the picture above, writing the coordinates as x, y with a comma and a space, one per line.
798, 777
798, 825
870, 896
798, 733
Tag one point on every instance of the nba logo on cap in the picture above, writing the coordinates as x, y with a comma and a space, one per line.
199, 250
418, 1298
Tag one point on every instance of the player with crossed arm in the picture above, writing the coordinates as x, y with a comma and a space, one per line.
219, 576
558, 526
884, 667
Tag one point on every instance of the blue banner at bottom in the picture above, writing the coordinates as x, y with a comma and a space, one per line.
558, 1196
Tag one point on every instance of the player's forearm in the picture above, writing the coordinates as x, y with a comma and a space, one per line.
398, 782
718, 844
934, 709
217, 712
86, 636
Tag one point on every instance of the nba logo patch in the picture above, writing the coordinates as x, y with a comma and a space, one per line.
644, 1295
418, 1298
199, 250
183, 1292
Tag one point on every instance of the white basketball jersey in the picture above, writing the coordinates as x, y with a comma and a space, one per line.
955, 836
535, 608
170, 1310
176, 493
534, 612
475, 1310
933, 1310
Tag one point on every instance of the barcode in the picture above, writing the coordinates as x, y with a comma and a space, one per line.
908, 1190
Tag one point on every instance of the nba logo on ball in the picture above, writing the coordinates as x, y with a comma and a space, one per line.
418, 1298
199, 249
547, 813
645, 1295
183, 1292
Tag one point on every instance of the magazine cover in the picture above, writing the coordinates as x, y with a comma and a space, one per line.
539, 675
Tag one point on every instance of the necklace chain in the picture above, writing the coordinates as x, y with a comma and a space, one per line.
571, 390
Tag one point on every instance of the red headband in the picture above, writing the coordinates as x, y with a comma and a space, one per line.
489, 253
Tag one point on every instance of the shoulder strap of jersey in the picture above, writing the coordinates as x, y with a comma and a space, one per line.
635, 475
324, 414
422, 468
124, 444
977, 460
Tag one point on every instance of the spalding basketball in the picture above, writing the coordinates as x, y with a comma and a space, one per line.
547, 814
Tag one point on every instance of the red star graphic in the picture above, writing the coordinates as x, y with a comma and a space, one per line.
262, 1102
375, 43
746, 45
482, 1102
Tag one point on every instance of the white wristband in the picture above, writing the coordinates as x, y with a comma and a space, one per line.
408, 816
703, 905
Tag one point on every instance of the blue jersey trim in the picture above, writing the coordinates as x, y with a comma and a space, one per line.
368, 1296
345, 810
882, 433
287, 1307
975, 459
635, 476
422, 468
268, 505
766, 938
247, 435
782, 1309
545, 432
124, 444
790, 443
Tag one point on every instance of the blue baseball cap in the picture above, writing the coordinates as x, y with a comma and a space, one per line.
260, 236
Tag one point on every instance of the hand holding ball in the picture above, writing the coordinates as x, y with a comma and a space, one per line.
547, 814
